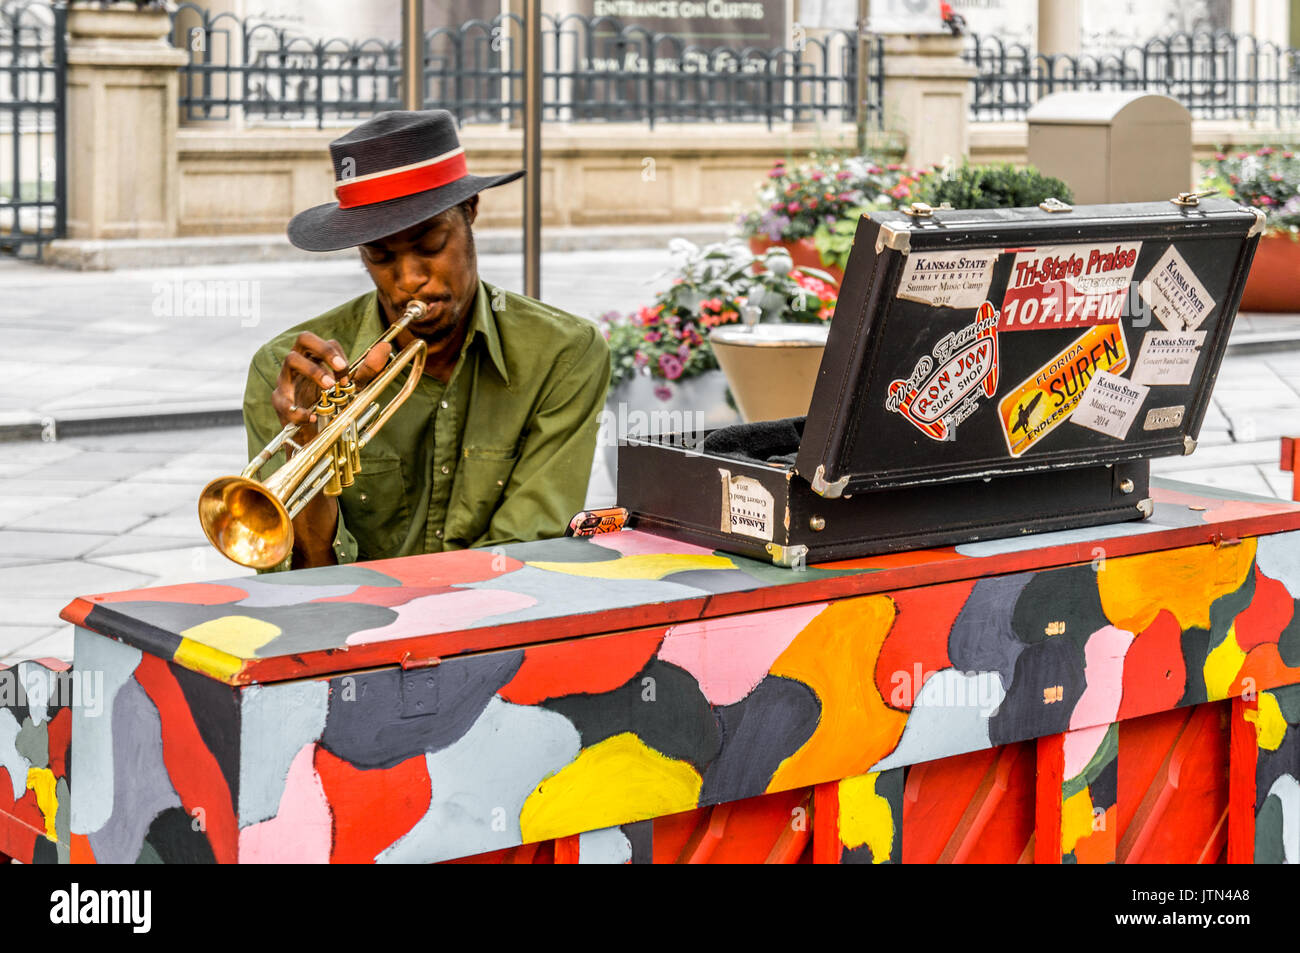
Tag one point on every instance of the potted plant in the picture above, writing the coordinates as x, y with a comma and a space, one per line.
796, 204
998, 185
1268, 179
664, 373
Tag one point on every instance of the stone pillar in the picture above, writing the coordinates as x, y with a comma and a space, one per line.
1059, 28
927, 96
122, 118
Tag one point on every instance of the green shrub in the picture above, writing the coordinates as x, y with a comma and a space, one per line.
989, 186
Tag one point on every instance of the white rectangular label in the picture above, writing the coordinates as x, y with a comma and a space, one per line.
1109, 404
747, 506
1167, 357
950, 279
1178, 299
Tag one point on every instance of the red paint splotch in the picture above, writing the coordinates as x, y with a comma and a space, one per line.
371, 808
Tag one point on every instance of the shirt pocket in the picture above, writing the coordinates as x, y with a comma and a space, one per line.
375, 509
481, 480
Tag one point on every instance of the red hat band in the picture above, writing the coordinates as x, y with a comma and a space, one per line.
404, 180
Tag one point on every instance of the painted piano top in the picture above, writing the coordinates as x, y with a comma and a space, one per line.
415, 610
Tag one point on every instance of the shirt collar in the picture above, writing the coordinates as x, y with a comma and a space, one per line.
482, 321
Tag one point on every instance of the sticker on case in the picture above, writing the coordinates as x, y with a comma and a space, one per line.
1176, 297
1068, 286
950, 279
945, 386
1042, 402
1110, 405
1167, 357
748, 508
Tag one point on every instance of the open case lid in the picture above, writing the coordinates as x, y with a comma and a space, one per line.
977, 343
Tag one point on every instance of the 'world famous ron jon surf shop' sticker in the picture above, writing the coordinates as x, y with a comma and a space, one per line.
1068, 286
1034, 409
944, 387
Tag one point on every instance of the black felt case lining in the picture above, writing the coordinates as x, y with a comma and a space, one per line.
764, 441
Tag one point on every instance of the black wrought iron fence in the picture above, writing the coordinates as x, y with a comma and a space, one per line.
1215, 75
594, 68
33, 180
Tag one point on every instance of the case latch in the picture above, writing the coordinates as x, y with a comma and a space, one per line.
922, 210
1192, 199
1055, 205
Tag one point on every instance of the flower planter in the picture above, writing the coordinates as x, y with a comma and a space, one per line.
1274, 282
633, 409
802, 252
772, 368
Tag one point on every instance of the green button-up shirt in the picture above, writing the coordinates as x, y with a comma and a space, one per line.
499, 454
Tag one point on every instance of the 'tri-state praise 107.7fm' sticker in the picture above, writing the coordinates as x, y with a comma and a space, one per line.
1034, 409
944, 387
1068, 286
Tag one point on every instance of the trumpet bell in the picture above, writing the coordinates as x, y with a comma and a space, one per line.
246, 522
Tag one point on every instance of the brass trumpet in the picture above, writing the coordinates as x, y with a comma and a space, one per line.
251, 522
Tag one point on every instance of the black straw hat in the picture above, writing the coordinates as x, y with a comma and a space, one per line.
391, 172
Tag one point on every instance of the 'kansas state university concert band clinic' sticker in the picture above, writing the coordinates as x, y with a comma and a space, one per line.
1054, 287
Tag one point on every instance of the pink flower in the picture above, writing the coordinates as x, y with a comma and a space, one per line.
792, 207
1265, 200
1264, 151
653, 336
894, 167
1288, 155
1219, 157
671, 366
1242, 155
664, 392
684, 351
640, 359
1276, 177
843, 174
817, 175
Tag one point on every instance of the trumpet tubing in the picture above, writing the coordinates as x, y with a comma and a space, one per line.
251, 521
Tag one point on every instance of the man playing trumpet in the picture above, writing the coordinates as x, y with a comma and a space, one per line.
495, 442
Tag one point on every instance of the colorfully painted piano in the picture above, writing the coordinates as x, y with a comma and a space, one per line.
1121, 693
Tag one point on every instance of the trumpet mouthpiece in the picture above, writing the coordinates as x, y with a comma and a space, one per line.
415, 311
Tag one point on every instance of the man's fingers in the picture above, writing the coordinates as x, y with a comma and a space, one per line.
329, 353
373, 363
303, 366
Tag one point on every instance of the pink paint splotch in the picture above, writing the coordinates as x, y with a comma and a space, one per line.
632, 543
444, 612
730, 656
1104, 660
301, 831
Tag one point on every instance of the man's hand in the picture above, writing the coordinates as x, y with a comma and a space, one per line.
315, 365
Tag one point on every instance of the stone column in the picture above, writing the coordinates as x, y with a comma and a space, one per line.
1059, 27
927, 96
122, 118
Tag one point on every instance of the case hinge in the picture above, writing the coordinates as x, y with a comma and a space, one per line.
1260, 219
1146, 507
821, 487
791, 557
1189, 445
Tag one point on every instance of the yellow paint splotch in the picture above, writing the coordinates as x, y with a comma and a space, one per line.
42, 781
1185, 581
640, 566
616, 781
1270, 724
835, 656
198, 657
1076, 819
865, 817
238, 635
1222, 664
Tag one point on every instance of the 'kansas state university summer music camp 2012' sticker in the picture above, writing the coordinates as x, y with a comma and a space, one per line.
944, 387
948, 279
1068, 286
1034, 409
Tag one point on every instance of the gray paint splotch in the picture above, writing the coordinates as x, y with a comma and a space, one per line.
11, 759
479, 783
609, 845
143, 789
950, 716
275, 722
92, 735
983, 638
1278, 557
385, 717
